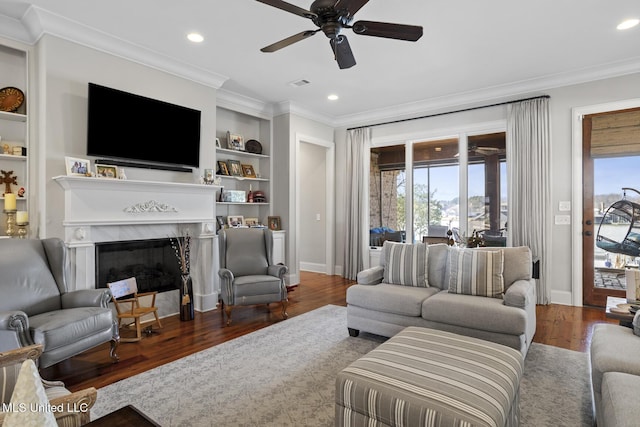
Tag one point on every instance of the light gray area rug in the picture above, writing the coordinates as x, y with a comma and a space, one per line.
284, 375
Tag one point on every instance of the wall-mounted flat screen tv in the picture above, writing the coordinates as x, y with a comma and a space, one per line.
146, 132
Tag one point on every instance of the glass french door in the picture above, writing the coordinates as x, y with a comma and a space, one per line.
609, 165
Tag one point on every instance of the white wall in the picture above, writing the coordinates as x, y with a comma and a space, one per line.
562, 101
64, 70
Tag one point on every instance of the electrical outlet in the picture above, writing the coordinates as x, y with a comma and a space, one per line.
564, 206
563, 220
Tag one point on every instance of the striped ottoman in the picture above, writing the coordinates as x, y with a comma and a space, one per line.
426, 377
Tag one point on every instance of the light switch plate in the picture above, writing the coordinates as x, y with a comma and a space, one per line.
563, 220
564, 206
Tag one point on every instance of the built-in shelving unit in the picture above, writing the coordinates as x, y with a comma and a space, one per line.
14, 126
249, 127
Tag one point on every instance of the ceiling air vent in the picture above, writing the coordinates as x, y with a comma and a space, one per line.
298, 83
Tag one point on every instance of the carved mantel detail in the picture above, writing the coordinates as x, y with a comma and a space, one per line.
150, 206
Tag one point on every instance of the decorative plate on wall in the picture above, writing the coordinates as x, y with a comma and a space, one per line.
11, 99
253, 146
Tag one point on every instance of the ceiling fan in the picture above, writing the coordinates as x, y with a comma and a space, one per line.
478, 150
485, 151
331, 17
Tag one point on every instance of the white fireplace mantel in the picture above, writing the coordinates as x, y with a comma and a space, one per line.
110, 210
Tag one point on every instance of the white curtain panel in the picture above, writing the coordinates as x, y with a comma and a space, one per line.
529, 177
356, 236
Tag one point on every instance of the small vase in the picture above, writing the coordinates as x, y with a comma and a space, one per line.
186, 298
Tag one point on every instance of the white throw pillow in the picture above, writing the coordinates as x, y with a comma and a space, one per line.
406, 264
474, 272
29, 405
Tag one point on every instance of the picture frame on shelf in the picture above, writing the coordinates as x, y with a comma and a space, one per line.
106, 171
76, 166
251, 222
248, 172
235, 142
235, 220
235, 168
223, 169
274, 223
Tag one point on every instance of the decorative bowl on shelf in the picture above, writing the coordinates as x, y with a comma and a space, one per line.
253, 146
11, 98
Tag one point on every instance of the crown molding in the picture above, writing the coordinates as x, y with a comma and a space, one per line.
288, 107
14, 29
38, 22
244, 104
494, 94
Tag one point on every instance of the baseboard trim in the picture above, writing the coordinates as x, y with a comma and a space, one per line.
561, 297
313, 267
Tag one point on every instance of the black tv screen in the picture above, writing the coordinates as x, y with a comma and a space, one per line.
126, 126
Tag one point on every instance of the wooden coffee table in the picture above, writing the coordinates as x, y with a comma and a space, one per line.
124, 417
625, 319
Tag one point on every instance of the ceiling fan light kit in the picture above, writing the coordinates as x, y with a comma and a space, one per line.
331, 17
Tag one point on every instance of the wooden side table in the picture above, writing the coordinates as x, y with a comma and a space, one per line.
625, 319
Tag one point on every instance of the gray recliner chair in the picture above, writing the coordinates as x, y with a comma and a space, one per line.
247, 271
37, 308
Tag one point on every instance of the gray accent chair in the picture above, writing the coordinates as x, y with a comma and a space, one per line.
36, 306
247, 271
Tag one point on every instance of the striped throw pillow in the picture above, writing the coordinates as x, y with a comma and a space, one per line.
406, 264
474, 272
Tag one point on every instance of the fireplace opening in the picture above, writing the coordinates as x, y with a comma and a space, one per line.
152, 262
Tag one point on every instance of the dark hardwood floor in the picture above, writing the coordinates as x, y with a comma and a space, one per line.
558, 325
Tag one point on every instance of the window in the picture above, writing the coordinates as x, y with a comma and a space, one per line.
487, 190
433, 199
387, 195
435, 187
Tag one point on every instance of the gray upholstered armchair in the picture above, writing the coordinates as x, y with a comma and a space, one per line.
247, 271
37, 308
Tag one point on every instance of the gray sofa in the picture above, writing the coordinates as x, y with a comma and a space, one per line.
615, 375
386, 308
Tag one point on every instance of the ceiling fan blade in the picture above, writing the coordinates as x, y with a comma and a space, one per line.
388, 30
342, 52
288, 41
351, 5
289, 8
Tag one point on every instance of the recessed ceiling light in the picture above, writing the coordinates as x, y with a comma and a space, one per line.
195, 37
332, 97
629, 23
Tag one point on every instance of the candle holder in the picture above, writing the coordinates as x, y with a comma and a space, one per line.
11, 221
23, 230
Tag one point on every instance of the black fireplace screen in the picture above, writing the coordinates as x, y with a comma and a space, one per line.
152, 262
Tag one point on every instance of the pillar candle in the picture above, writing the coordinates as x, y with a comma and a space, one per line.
9, 202
22, 217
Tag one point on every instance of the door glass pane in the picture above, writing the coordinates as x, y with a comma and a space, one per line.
609, 177
387, 194
435, 188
